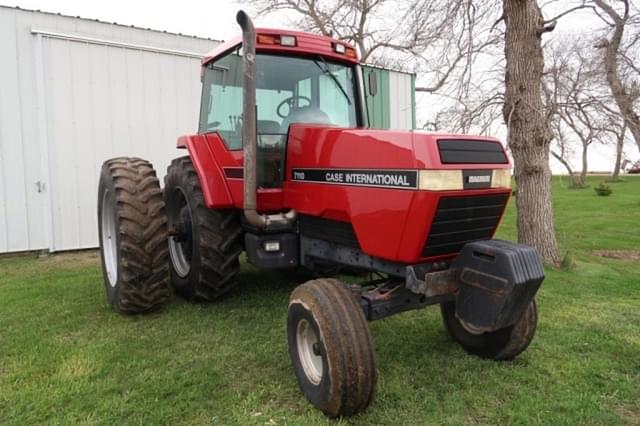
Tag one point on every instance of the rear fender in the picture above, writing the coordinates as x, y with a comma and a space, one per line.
215, 189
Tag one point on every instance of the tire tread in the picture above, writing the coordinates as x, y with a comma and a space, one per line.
343, 321
144, 278
220, 236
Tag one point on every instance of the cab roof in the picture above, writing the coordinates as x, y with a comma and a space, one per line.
306, 43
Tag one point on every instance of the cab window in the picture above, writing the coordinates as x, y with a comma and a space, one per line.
288, 90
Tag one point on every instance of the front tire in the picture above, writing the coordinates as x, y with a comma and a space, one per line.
503, 344
132, 229
204, 244
331, 347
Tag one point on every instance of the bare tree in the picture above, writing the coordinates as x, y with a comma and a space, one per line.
529, 134
579, 104
620, 134
582, 109
616, 55
561, 148
562, 153
439, 39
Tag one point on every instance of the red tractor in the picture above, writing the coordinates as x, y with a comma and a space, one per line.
285, 169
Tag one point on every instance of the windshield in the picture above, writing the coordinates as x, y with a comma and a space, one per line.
288, 90
300, 90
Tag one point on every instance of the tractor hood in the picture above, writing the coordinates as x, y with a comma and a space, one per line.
388, 185
402, 159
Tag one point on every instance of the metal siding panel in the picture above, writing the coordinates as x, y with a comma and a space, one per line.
101, 138
413, 101
385, 91
36, 184
16, 226
64, 159
5, 32
378, 105
136, 102
145, 102
393, 101
83, 173
100, 102
400, 101
394, 104
154, 138
406, 101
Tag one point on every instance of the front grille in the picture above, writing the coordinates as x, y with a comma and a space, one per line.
459, 220
471, 152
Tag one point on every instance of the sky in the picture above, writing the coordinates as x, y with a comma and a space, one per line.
216, 19
209, 19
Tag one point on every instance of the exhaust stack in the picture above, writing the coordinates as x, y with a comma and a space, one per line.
249, 129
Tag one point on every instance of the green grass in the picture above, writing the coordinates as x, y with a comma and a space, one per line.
65, 357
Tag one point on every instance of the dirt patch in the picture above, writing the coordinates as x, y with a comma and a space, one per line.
73, 258
619, 254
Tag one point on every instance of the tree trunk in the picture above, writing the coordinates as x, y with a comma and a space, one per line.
619, 149
616, 167
620, 94
575, 182
529, 134
585, 166
564, 162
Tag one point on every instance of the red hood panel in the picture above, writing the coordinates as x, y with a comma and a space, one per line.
317, 146
389, 223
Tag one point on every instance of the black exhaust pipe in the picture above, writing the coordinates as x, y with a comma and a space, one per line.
249, 128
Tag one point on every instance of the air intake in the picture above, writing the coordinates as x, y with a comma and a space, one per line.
471, 152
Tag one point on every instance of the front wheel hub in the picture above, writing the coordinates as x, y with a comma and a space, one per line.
308, 346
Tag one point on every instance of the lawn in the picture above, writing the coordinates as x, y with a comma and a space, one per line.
65, 357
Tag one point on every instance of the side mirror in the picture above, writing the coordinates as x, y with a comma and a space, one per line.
373, 83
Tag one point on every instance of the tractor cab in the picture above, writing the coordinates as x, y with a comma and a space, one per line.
292, 85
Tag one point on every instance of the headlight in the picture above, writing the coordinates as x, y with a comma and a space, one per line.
501, 178
440, 180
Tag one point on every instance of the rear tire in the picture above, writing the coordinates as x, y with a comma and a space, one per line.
503, 344
205, 244
331, 347
132, 229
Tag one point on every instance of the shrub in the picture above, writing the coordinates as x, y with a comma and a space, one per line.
603, 189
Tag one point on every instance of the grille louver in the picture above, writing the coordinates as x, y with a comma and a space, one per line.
460, 220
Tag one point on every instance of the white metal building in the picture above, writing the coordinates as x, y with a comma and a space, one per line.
74, 92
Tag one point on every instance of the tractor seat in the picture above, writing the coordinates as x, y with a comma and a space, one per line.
304, 115
268, 127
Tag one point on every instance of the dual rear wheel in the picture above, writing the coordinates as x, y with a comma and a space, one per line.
152, 240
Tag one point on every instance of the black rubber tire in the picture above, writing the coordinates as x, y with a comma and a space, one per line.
216, 237
142, 283
347, 383
503, 344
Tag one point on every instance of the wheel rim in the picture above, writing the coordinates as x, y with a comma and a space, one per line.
308, 346
109, 234
470, 328
181, 240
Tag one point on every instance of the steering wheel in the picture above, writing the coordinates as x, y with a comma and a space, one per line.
291, 101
